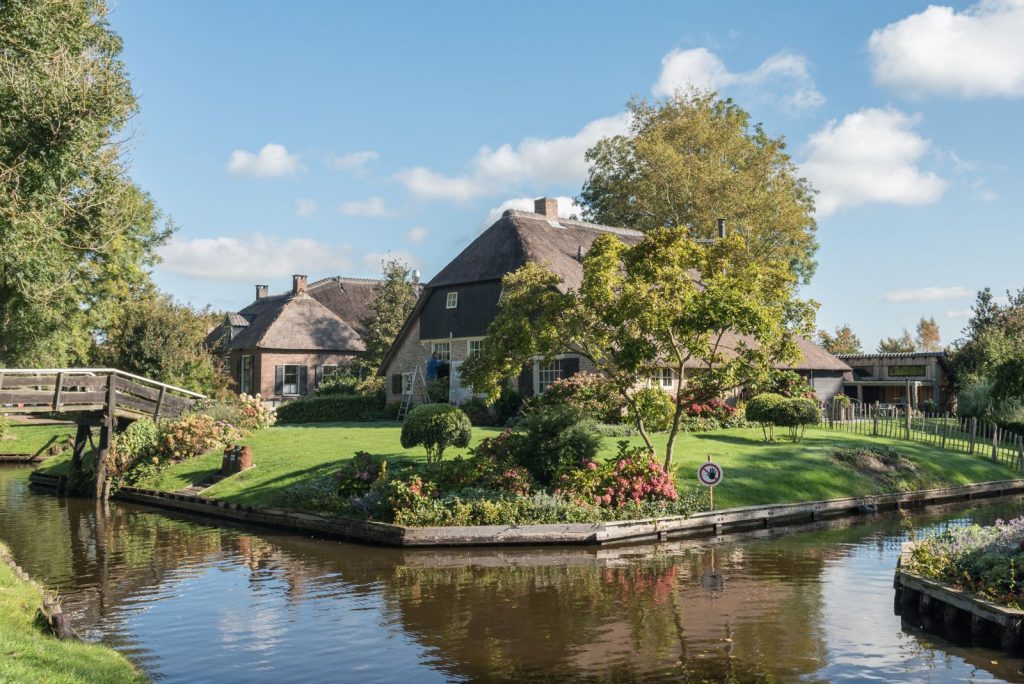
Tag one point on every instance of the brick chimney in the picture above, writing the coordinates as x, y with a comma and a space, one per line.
261, 291
298, 284
546, 206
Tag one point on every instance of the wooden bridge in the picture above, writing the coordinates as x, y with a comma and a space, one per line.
91, 397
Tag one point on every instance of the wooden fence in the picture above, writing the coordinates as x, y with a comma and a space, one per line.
957, 433
90, 390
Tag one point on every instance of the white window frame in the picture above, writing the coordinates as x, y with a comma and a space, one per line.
474, 347
406, 383
245, 375
544, 374
442, 349
285, 385
666, 378
451, 300
324, 372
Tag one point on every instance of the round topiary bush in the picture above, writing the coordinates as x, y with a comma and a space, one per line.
436, 427
761, 409
796, 414
654, 406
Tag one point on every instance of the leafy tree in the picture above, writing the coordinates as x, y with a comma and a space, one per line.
391, 307
928, 338
993, 336
842, 341
77, 233
693, 158
896, 345
639, 307
153, 336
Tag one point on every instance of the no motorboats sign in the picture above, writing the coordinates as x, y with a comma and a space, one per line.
709, 474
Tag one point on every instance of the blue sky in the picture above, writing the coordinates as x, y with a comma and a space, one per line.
318, 137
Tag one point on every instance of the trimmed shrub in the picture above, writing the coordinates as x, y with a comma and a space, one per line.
761, 410
654, 406
590, 393
556, 438
328, 408
438, 390
436, 427
796, 414
339, 382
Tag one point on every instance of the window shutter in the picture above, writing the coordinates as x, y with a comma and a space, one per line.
302, 379
238, 371
526, 380
396, 383
318, 374
570, 366
279, 380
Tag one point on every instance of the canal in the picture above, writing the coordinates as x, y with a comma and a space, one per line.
191, 601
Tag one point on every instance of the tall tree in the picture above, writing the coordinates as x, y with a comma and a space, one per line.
896, 345
693, 158
151, 335
928, 337
842, 341
391, 307
640, 308
77, 233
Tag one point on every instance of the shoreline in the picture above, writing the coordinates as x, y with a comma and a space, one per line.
700, 525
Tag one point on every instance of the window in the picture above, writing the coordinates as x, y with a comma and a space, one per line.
475, 346
452, 300
291, 381
245, 376
442, 349
907, 371
406, 383
329, 369
666, 378
547, 373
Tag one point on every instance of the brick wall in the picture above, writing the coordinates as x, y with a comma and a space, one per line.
265, 363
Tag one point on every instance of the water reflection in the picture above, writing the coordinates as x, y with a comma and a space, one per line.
193, 602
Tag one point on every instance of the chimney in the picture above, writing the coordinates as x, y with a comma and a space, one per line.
416, 277
721, 228
546, 206
261, 291
298, 284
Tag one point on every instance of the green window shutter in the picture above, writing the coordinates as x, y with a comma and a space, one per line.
570, 366
396, 383
278, 380
526, 380
302, 379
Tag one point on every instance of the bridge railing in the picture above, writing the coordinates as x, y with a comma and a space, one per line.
90, 390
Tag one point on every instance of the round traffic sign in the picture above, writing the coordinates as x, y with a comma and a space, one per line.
709, 474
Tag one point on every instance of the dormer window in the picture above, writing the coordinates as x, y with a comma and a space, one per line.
452, 302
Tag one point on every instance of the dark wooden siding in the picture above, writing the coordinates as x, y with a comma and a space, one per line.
478, 305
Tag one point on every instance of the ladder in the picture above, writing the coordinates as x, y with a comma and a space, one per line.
409, 394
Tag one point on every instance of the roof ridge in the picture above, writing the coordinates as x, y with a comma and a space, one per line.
577, 222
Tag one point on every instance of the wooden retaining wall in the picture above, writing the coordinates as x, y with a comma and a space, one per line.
708, 524
957, 614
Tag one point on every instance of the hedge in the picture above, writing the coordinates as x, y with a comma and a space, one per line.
329, 408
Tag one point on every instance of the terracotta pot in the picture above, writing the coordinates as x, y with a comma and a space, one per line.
244, 458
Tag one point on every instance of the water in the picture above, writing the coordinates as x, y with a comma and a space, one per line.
189, 601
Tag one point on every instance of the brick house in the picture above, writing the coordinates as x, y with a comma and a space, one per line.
454, 309
281, 346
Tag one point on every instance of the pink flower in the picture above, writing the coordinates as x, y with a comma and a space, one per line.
591, 465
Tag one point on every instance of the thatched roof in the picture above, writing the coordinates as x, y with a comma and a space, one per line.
519, 237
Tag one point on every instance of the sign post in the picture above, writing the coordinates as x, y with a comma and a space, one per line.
710, 474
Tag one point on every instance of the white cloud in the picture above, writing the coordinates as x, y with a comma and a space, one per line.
963, 313
255, 258
975, 53
304, 208
928, 294
783, 78
567, 207
372, 261
353, 161
417, 234
273, 161
533, 162
870, 156
373, 207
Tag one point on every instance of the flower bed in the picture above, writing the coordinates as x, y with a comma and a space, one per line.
988, 561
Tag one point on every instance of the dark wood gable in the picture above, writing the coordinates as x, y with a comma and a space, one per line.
477, 306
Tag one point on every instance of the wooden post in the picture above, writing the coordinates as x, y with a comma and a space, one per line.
874, 422
81, 439
106, 437
907, 421
58, 389
1020, 453
974, 432
995, 443
159, 404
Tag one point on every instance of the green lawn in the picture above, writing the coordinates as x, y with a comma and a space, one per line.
755, 472
29, 655
31, 439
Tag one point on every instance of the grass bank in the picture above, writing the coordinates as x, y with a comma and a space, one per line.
33, 439
755, 472
29, 655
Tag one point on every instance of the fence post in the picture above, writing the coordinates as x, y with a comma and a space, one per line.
907, 423
995, 443
1020, 453
974, 432
945, 428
